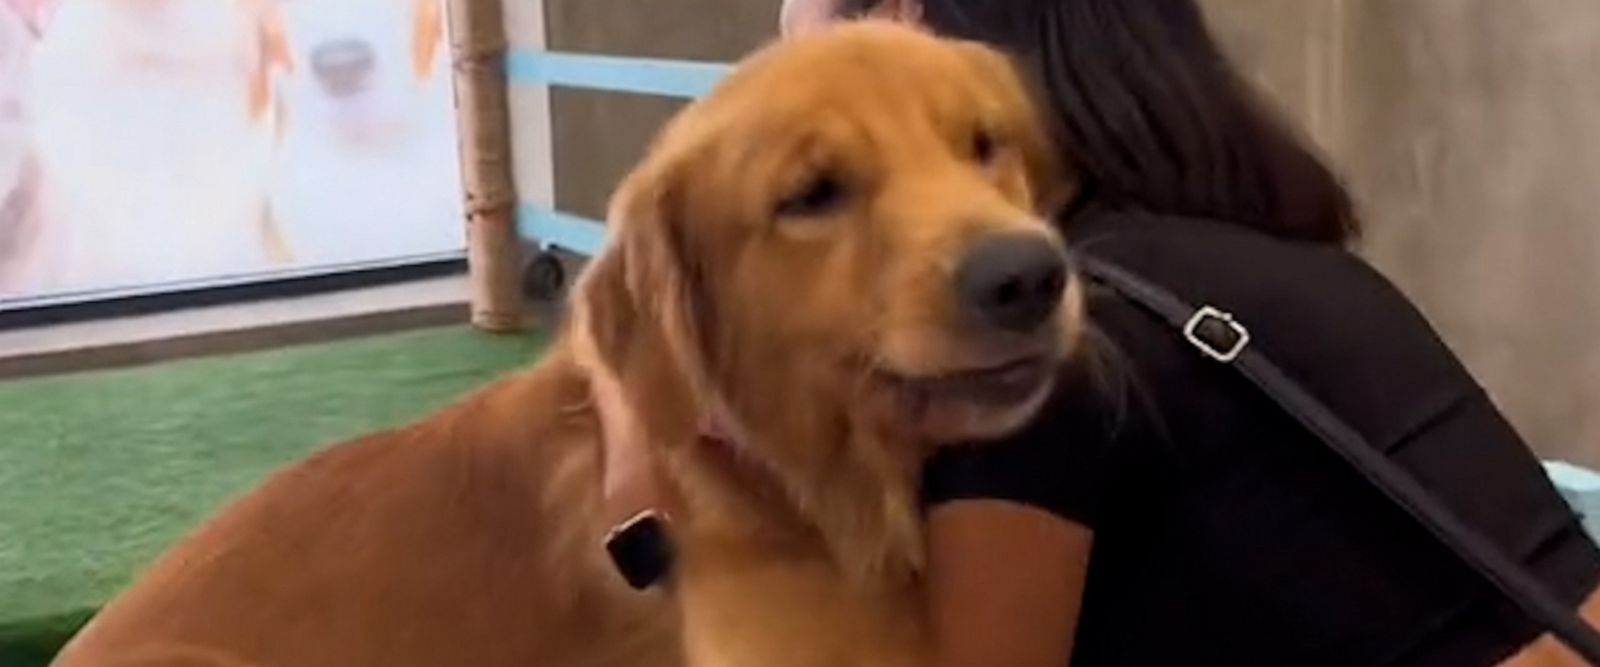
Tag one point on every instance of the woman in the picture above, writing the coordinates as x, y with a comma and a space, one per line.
1177, 516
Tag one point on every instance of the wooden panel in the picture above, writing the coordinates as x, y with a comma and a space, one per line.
598, 136
717, 30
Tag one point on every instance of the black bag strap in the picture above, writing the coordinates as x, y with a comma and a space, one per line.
1220, 337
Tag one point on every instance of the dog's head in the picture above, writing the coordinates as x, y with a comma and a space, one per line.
854, 214
837, 256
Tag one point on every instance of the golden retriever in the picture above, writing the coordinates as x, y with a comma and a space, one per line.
834, 257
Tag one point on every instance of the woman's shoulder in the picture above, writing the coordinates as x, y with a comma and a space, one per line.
1321, 312
1221, 252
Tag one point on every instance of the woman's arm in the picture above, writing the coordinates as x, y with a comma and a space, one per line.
1005, 584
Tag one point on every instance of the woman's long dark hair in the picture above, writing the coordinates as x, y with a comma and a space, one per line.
1153, 116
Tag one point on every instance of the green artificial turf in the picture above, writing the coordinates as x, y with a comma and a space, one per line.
98, 471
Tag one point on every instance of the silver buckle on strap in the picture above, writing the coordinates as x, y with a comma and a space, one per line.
1222, 351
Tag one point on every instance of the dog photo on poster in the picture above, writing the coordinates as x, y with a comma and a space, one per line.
153, 144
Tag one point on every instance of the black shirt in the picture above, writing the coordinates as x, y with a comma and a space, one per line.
1227, 535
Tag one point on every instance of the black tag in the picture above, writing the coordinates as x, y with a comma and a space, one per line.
641, 550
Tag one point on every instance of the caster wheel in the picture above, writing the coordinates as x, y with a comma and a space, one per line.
544, 277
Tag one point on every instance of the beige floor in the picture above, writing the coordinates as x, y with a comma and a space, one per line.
234, 327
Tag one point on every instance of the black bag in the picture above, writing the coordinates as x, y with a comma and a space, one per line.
1219, 336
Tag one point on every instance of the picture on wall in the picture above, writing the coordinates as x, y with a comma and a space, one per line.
152, 145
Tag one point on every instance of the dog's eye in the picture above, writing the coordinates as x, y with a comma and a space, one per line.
819, 196
983, 146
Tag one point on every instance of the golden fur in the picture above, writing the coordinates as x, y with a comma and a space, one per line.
822, 334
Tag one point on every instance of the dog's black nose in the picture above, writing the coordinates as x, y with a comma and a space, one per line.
1012, 281
344, 66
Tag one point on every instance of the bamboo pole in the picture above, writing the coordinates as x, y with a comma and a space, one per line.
494, 251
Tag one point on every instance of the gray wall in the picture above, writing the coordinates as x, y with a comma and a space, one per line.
1469, 129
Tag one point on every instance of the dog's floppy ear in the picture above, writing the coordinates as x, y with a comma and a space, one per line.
1049, 183
427, 32
643, 298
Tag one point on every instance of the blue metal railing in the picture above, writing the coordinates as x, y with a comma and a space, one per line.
549, 227
644, 76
